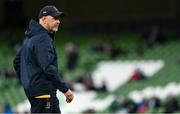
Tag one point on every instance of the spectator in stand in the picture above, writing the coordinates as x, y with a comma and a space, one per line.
7, 109
154, 103
137, 75
154, 36
142, 107
116, 105
130, 106
109, 49
88, 84
172, 105
72, 55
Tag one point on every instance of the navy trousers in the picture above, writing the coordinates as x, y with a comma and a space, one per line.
45, 105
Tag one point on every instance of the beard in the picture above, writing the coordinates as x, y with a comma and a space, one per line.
55, 29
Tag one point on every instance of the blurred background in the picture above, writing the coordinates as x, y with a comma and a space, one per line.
118, 56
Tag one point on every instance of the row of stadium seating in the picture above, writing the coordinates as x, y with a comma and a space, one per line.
12, 93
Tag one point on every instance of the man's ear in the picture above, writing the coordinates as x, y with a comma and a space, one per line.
44, 19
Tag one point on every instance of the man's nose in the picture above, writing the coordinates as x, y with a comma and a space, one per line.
58, 21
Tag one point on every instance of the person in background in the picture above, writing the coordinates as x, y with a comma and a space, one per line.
72, 55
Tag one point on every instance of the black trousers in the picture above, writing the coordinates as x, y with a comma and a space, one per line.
45, 105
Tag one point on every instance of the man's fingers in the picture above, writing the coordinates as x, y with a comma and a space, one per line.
69, 98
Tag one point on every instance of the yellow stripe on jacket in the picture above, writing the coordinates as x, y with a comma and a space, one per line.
43, 96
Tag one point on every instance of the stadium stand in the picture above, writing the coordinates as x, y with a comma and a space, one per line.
12, 93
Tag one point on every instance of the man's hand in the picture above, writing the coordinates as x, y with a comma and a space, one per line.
69, 96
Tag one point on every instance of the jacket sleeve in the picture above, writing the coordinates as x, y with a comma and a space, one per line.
46, 57
16, 64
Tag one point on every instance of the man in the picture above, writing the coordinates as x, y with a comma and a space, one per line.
36, 63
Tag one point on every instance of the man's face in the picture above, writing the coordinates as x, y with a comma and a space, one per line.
52, 23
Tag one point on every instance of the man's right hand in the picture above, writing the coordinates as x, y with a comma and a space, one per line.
69, 96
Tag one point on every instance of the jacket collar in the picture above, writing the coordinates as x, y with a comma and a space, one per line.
35, 28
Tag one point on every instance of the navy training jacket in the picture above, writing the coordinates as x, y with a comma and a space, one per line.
36, 62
